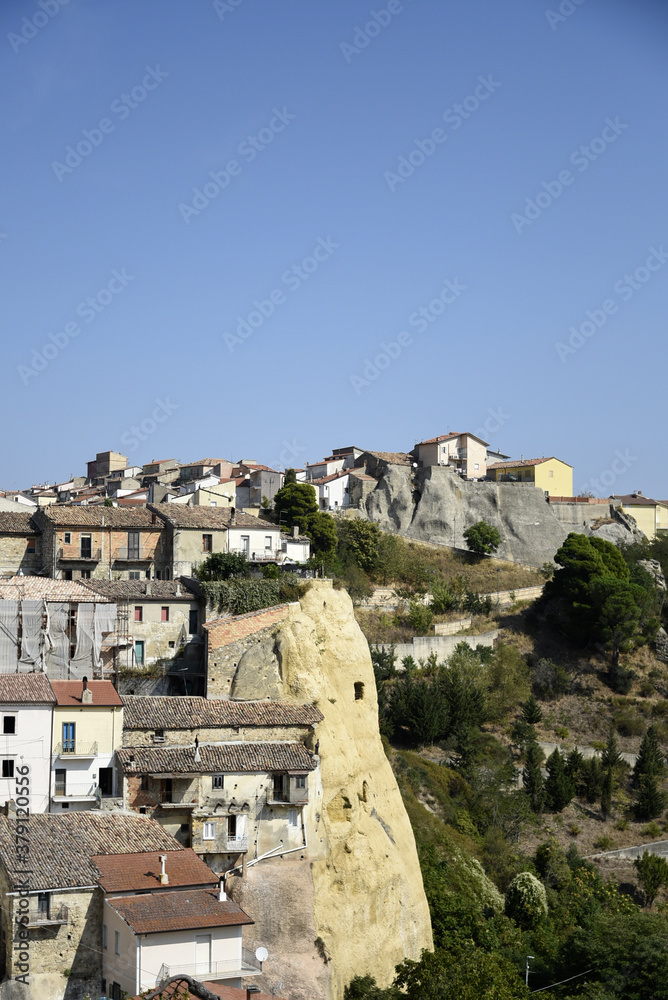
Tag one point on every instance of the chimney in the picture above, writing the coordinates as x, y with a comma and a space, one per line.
233, 514
222, 895
295, 531
149, 588
164, 877
86, 693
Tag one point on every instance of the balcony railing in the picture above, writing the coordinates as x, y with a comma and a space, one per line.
231, 968
258, 555
75, 790
176, 799
48, 918
132, 554
73, 748
94, 555
283, 797
236, 845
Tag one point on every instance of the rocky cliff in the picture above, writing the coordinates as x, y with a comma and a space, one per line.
436, 505
352, 902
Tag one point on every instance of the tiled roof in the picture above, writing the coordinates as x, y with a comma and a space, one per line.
224, 631
43, 588
128, 872
193, 989
120, 590
637, 500
96, 517
17, 522
216, 758
62, 845
68, 694
190, 712
174, 911
208, 517
362, 475
449, 437
31, 689
524, 462
392, 457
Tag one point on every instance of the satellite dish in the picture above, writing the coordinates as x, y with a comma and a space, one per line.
262, 954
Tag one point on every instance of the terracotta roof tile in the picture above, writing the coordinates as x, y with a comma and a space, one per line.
123, 590
181, 516
43, 588
193, 989
524, 462
216, 758
68, 693
224, 631
31, 689
157, 912
62, 845
17, 522
95, 517
129, 872
190, 712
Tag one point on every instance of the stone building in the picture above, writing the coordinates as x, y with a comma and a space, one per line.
20, 543
26, 714
239, 651
53, 883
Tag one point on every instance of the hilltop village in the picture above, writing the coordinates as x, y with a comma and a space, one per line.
194, 793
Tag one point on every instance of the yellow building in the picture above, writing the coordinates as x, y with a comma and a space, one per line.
549, 474
651, 516
87, 730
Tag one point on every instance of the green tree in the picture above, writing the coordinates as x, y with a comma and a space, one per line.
295, 504
652, 874
359, 543
531, 711
420, 617
532, 777
559, 788
223, 566
289, 477
482, 538
651, 759
321, 529
526, 900
627, 953
651, 800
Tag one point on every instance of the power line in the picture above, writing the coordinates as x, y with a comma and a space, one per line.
562, 981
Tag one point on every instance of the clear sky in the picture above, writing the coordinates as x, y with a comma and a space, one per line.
268, 228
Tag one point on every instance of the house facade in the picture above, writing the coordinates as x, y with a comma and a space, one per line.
466, 453
650, 515
551, 475
26, 714
87, 731
20, 542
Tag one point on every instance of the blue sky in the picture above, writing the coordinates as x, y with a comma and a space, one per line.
260, 197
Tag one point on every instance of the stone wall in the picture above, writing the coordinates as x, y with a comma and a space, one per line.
219, 734
240, 651
443, 646
15, 558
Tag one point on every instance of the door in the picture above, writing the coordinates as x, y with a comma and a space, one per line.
139, 652
279, 788
202, 954
60, 781
86, 546
133, 545
106, 781
245, 545
68, 737
193, 621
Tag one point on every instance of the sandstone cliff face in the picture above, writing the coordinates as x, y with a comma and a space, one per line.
356, 889
436, 505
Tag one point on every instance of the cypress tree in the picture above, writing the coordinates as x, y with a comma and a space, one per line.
559, 788
531, 712
533, 778
651, 759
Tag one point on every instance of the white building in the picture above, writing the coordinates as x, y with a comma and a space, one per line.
26, 712
164, 915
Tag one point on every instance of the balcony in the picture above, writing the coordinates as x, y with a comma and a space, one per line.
174, 800
47, 917
87, 556
75, 791
231, 968
258, 555
73, 748
236, 845
133, 554
283, 797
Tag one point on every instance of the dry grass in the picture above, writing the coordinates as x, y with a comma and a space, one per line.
478, 573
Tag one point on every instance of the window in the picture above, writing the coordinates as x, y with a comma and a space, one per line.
67, 538
116, 992
164, 614
9, 725
207, 543
139, 613
117, 943
208, 831
550, 473
159, 736
267, 542
133, 545
213, 503
359, 690
476, 466
300, 781
134, 574
67, 575
171, 644
139, 652
217, 781
30, 545
86, 546
292, 818
192, 621
144, 782
8, 767
231, 827
104, 935
104, 986
85, 574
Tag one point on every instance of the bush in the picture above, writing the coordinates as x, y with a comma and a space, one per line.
620, 679
526, 900
626, 722
482, 538
420, 617
356, 583
604, 843
652, 830
550, 681
444, 599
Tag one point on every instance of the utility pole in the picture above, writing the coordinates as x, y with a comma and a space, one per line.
526, 977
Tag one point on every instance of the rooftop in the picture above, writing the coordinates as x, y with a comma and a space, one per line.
142, 589
208, 517
43, 588
526, 461
153, 913
392, 457
217, 758
62, 846
190, 712
69, 694
451, 437
17, 522
193, 989
98, 517
141, 870
638, 500
26, 689
224, 631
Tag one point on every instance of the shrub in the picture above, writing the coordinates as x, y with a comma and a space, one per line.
420, 617
443, 599
482, 538
526, 900
622, 824
550, 681
652, 830
574, 830
626, 722
604, 843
